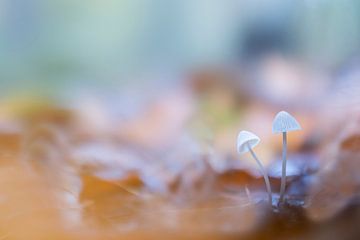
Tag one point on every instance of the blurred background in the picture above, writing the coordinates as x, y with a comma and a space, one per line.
53, 46
150, 95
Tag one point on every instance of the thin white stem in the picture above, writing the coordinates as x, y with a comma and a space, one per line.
283, 172
266, 177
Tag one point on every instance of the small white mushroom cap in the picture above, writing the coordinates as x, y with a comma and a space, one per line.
245, 140
284, 122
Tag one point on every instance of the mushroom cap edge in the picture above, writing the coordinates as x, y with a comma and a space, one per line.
244, 138
284, 122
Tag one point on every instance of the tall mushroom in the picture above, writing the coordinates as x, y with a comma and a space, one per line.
245, 142
283, 123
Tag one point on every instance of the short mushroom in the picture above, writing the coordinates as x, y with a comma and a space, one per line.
283, 123
245, 142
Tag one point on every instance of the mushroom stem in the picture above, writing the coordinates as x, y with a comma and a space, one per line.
283, 172
266, 177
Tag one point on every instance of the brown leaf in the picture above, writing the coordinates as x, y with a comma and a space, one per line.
337, 182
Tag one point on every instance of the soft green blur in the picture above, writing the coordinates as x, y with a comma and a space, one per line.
46, 46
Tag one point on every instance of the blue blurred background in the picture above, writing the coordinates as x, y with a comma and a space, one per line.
47, 47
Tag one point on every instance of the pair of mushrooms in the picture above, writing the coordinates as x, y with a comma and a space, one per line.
246, 141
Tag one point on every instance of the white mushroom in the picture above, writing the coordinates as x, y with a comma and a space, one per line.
283, 123
245, 142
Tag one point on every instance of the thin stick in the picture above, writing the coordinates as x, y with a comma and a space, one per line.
283, 172
266, 177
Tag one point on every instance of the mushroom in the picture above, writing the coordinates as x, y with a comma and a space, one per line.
245, 142
283, 123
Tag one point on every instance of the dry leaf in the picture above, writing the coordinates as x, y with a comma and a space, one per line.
338, 182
